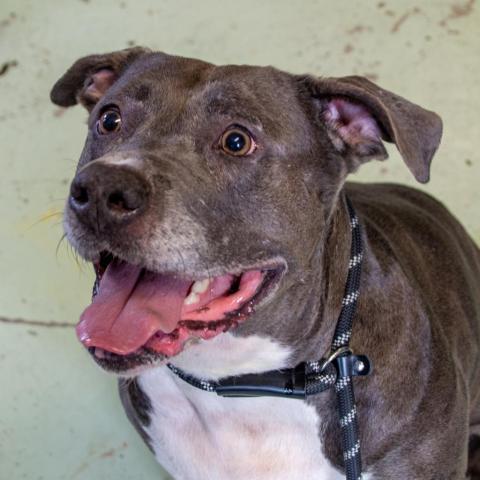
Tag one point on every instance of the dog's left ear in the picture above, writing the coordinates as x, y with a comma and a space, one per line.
358, 115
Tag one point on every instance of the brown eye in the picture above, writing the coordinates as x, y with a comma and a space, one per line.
109, 122
237, 142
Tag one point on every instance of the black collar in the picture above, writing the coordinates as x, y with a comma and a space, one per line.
310, 378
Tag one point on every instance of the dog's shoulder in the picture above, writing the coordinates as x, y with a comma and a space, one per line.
403, 213
372, 196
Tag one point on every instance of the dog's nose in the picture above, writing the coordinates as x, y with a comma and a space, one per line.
104, 196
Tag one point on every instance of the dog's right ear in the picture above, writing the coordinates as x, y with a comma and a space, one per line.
87, 80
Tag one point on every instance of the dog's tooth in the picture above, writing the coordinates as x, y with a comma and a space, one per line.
191, 299
201, 286
99, 352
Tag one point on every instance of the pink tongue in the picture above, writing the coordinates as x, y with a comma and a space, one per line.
130, 307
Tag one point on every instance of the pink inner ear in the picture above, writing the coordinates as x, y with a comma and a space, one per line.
352, 121
100, 82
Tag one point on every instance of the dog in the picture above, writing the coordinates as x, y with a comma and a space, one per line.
211, 201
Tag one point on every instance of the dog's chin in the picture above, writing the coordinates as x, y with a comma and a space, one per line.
230, 300
129, 365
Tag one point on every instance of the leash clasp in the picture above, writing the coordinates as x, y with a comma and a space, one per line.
347, 363
334, 355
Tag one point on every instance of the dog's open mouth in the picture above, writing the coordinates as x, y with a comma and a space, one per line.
138, 313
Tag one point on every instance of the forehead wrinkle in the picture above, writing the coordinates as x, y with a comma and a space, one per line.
139, 92
227, 100
233, 112
211, 98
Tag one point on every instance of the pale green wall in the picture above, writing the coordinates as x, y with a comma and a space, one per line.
60, 417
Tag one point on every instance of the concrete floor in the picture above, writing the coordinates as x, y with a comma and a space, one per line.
60, 417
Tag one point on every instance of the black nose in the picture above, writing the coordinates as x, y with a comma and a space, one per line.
104, 196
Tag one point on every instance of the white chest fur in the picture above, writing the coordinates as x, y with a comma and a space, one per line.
197, 435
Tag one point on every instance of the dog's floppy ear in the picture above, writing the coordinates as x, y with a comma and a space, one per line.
87, 80
358, 115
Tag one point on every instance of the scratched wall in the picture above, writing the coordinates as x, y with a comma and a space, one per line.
60, 417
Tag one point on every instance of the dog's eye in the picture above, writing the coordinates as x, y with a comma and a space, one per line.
236, 141
109, 122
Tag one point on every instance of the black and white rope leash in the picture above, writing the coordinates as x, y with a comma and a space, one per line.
311, 378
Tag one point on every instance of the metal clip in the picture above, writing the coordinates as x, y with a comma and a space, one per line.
334, 355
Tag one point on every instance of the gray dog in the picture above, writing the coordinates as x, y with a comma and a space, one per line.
212, 203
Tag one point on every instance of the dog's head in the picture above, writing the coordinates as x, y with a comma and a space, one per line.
203, 195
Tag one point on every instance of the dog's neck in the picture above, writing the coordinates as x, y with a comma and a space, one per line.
330, 268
